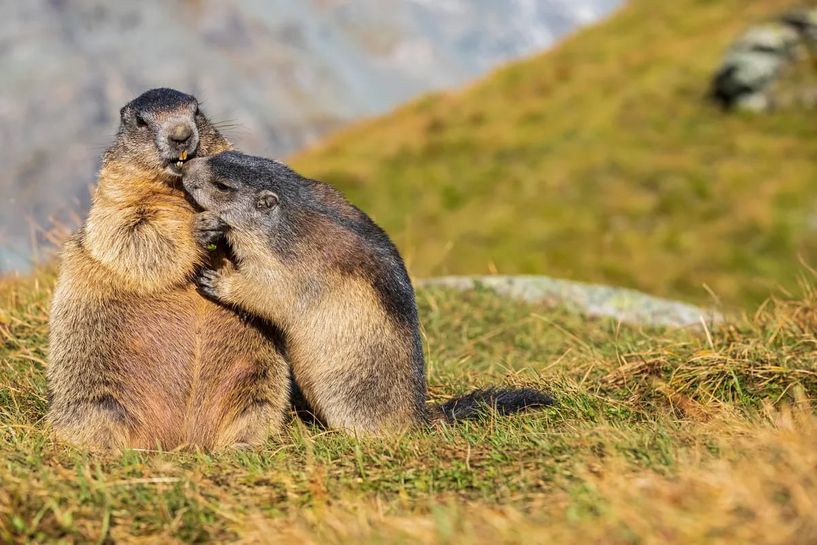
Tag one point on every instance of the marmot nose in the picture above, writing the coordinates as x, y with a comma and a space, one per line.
180, 134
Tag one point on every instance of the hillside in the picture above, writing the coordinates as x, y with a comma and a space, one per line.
600, 161
279, 72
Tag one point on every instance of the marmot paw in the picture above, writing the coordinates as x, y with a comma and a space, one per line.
208, 228
208, 281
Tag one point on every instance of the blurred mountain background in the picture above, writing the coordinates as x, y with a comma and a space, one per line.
604, 160
280, 72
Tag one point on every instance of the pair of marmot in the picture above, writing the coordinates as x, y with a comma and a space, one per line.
307, 290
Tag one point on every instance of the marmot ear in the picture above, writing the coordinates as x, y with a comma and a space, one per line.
266, 199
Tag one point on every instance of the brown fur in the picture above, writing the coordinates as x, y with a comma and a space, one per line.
357, 362
138, 358
350, 358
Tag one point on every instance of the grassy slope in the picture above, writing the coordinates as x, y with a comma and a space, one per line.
597, 161
660, 437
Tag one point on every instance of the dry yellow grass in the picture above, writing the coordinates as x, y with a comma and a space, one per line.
659, 436
762, 489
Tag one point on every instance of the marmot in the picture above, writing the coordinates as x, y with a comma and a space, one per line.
332, 280
138, 357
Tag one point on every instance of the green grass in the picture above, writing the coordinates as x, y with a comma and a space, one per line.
599, 160
646, 418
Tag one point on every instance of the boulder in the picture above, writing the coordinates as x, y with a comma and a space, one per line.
752, 64
621, 304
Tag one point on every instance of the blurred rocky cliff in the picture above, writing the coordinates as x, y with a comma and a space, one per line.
279, 72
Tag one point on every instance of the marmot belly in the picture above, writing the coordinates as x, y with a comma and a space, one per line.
189, 366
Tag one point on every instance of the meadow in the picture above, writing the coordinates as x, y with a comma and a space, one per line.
659, 436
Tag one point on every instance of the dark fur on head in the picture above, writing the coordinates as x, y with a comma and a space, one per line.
297, 217
157, 126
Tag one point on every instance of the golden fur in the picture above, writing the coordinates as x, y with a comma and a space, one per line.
138, 358
348, 355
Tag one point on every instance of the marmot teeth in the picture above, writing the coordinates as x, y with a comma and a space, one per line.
179, 164
183, 156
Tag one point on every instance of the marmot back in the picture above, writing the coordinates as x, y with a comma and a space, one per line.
321, 269
138, 358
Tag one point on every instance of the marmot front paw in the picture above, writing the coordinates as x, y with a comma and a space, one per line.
208, 228
208, 281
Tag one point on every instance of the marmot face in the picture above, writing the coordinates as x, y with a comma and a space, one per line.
160, 130
253, 195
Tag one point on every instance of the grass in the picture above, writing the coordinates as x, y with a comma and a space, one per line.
600, 161
660, 436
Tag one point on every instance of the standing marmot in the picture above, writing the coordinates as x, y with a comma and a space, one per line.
320, 268
138, 358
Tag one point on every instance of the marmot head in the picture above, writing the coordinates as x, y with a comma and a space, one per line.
160, 130
250, 193
272, 207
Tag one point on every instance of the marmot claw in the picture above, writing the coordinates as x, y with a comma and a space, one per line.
207, 281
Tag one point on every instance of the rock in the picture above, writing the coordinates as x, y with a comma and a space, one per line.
756, 59
625, 305
752, 64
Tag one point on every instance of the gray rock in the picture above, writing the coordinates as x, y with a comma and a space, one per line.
625, 305
756, 59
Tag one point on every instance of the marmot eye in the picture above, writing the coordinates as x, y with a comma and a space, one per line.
140, 121
222, 187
